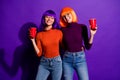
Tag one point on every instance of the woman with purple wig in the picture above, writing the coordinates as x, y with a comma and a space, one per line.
47, 47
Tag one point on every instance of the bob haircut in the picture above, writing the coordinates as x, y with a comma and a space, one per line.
43, 24
64, 11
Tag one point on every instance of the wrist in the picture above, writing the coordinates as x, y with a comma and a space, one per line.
92, 35
32, 39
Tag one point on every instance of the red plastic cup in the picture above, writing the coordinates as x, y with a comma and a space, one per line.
92, 22
33, 32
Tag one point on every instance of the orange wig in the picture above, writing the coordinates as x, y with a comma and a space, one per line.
65, 11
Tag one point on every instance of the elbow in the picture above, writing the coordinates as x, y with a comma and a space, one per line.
37, 51
88, 47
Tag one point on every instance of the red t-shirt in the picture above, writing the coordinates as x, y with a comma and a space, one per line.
48, 43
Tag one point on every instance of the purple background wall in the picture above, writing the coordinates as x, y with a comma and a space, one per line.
16, 55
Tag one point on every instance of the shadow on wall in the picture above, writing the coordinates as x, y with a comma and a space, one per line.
24, 56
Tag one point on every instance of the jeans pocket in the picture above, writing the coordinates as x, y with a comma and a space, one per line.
80, 57
58, 59
67, 55
43, 60
81, 54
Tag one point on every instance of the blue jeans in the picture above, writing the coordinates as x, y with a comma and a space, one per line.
75, 61
51, 66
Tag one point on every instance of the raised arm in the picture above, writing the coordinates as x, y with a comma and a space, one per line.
88, 41
92, 33
37, 45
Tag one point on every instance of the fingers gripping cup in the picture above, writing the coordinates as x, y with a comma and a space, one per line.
92, 22
33, 31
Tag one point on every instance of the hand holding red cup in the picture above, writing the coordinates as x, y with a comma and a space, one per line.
32, 32
93, 24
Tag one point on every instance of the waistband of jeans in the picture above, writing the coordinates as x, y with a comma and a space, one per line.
49, 59
73, 52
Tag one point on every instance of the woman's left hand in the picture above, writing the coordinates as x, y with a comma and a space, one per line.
93, 32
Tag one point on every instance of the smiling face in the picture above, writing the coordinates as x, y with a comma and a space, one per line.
49, 20
67, 15
67, 18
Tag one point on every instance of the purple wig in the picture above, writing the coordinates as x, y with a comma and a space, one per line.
43, 24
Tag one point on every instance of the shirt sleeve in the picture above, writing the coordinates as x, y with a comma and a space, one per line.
85, 37
38, 43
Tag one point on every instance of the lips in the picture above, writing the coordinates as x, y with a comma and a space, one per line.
49, 21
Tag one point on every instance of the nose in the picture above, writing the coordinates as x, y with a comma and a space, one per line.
49, 18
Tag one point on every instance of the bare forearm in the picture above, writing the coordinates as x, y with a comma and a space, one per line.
35, 46
93, 32
91, 39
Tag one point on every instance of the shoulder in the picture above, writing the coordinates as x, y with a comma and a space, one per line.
78, 25
57, 30
39, 34
83, 26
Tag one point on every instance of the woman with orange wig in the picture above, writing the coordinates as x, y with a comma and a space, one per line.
75, 41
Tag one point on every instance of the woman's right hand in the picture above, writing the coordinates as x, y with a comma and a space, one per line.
32, 32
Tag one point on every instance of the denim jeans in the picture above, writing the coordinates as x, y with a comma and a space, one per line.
52, 66
75, 61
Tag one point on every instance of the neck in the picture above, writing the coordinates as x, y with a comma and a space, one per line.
48, 27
